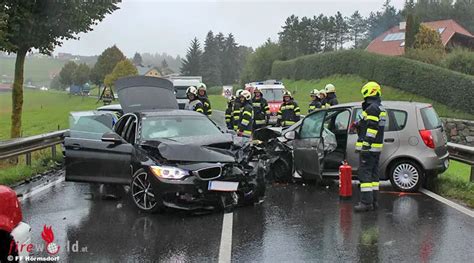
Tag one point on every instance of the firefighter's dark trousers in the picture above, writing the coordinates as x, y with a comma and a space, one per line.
369, 176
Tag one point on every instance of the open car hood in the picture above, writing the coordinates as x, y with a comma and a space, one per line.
202, 149
140, 93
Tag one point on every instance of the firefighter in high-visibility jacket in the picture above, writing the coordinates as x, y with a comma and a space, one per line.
228, 113
246, 114
323, 98
261, 110
289, 112
315, 101
236, 110
194, 103
370, 130
202, 95
331, 97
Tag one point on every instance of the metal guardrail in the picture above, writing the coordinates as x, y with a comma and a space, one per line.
462, 153
27, 145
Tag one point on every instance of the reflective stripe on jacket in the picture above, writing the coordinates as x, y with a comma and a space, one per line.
246, 119
196, 105
236, 115
228, 115
289, 113
370, 129
314, 105
206, 105
261, 111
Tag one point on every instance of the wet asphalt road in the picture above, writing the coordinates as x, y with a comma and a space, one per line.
295, 223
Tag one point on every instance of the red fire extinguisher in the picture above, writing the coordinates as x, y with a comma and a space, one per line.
345, 181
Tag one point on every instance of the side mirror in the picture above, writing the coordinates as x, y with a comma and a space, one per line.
112, 137
291, 135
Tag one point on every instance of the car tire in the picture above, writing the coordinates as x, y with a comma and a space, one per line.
406, 175
5, 240
142, 193
280, 171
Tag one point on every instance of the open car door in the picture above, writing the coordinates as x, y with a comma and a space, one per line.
308, 149
88, 158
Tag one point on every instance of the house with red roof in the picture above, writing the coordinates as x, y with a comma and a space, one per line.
392, 42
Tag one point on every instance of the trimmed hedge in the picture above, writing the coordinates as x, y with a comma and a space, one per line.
449, 87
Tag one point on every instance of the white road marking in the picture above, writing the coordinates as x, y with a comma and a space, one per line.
38, 189
225, 249
445, 201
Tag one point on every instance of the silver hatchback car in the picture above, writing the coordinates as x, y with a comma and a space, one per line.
415, 144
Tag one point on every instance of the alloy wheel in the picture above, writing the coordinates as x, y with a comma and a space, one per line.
142, 192
406, 176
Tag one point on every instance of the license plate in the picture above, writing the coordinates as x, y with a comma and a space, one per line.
446, 164
222, 186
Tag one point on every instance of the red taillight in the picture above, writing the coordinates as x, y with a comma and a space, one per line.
427, 138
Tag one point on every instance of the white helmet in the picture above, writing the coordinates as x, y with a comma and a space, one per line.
202, 86
192, 90
322, 92
246, 94
330, 88
237, 93
315, 92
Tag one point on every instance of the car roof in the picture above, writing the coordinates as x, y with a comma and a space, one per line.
170, 112
386, 103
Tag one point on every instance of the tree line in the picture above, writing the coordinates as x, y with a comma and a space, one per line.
110, 65
220, 61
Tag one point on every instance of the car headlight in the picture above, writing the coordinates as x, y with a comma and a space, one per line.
169, 172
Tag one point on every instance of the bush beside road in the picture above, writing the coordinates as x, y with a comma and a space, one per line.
348, 87
452, 88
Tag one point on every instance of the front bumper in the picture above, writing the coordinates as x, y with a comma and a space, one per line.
192, 192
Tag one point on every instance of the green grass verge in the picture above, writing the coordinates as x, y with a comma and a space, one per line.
43, 111
41, 162
454, 183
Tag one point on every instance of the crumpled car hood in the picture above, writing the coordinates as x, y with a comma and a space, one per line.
195, 149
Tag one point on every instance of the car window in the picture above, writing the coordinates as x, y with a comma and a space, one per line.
341, 121
90, 127
399, 119
312, 125
430, 118
358, 117
273, 94
177, 126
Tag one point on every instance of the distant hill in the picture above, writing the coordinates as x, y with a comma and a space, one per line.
39, 70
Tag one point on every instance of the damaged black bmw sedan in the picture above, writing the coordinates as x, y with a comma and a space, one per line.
168, 157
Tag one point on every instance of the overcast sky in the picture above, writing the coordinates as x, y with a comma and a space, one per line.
158, 26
